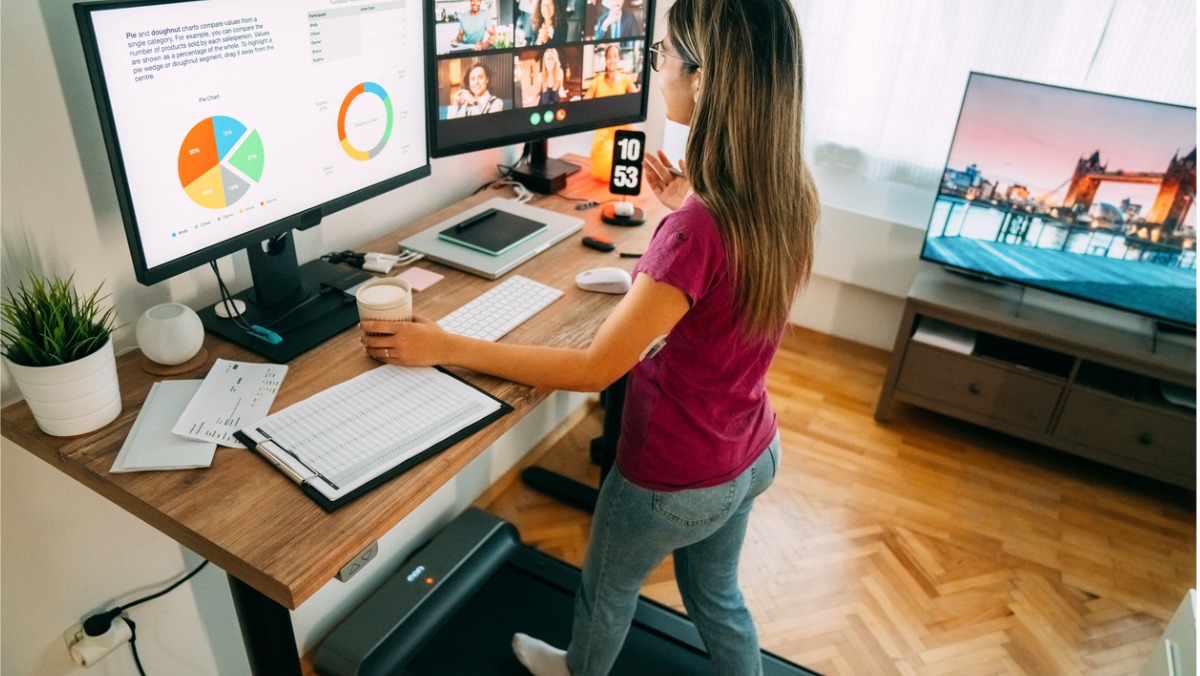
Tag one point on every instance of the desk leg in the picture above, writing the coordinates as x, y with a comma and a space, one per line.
266, 630
603, 452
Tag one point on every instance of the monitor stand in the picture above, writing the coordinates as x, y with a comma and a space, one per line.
543, 174
303, 304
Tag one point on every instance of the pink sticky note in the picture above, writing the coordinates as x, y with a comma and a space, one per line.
419, 278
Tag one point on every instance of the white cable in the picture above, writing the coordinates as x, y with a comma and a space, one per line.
523, 194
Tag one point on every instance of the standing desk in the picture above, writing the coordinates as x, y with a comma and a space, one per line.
277, 546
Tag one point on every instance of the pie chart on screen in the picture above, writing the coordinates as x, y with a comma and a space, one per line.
219, 160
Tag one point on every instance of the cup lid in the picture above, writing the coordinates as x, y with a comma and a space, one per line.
382, 296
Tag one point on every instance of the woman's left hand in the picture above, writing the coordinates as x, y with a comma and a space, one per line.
420, 342
670, 187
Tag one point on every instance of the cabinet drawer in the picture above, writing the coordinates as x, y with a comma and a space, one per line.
976, 386
1120, 427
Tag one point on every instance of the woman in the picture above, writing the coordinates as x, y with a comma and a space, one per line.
698, 439
613, 81
553, 86
475, 99
549, 22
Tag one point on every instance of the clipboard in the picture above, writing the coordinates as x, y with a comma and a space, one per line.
492, 231
341, 443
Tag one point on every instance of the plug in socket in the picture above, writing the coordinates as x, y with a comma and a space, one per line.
87, 650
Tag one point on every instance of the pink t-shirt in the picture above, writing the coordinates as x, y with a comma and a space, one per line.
696, 414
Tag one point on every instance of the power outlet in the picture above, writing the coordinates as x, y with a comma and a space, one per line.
73, 635
87, 650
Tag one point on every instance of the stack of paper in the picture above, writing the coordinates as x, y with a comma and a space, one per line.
183, 421
151, 444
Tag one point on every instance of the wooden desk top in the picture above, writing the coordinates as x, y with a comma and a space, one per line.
252, 521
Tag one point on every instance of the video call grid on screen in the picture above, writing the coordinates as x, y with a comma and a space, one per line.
534, 67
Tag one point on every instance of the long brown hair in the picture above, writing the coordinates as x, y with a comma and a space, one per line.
744, 155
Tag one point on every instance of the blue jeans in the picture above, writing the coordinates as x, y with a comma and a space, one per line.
633, 530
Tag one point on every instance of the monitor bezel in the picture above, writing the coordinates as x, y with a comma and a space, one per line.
438, 150
300, 220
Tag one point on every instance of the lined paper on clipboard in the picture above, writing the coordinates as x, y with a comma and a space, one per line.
343, 440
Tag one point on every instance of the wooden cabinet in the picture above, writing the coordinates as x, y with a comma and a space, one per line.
1096, 383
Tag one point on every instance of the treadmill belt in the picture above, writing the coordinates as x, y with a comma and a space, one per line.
478, 638
487, 587
534, 594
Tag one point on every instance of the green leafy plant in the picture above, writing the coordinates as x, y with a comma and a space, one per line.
47, 323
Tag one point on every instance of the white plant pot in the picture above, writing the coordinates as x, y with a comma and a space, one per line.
73, 398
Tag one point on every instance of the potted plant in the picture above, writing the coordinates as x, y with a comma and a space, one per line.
58, 347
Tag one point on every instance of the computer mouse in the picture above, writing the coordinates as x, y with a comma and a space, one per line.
604, 280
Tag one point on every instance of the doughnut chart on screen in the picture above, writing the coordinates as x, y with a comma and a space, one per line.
363, 118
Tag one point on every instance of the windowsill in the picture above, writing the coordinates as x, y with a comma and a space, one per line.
897, 203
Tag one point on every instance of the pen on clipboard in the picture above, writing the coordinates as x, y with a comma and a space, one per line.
477, 218
287, 461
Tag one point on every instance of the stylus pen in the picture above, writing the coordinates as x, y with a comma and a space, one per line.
481, 216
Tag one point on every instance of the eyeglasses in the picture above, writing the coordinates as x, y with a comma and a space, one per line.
656, 51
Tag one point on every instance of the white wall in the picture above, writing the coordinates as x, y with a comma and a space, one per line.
65, 552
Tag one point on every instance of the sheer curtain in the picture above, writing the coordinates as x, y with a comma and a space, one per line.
885, 78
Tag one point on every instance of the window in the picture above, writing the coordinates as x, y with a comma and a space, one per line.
884, 80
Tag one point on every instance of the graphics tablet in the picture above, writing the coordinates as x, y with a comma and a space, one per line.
486, 265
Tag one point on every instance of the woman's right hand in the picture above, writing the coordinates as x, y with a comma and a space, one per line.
420, 342
670, 188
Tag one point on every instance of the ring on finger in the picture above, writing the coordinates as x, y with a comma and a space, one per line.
387, 353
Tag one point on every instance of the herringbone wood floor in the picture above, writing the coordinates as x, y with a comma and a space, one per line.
923, 546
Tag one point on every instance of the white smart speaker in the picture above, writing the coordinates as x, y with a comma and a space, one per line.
170, 336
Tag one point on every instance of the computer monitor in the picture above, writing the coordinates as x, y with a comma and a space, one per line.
231, 123
514, 71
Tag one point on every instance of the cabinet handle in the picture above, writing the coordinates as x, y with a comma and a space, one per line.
1172, 657
974, 388
1145, 439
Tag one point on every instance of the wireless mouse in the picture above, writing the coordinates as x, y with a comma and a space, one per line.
604, 280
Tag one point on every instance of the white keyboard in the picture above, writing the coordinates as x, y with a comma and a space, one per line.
500, 309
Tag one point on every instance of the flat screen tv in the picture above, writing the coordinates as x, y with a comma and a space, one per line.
504, 72
1077, 193
231, 123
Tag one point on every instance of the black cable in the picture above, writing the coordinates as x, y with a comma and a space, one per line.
100, 623
347, 256
324, 290
228, 302
137, 661
582, 200
506, 171
172, 588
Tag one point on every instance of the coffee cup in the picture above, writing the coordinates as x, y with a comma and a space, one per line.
386, 299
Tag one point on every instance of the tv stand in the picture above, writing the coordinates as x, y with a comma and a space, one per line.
1080, 385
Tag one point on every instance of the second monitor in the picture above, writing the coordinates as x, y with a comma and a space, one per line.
515, 71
